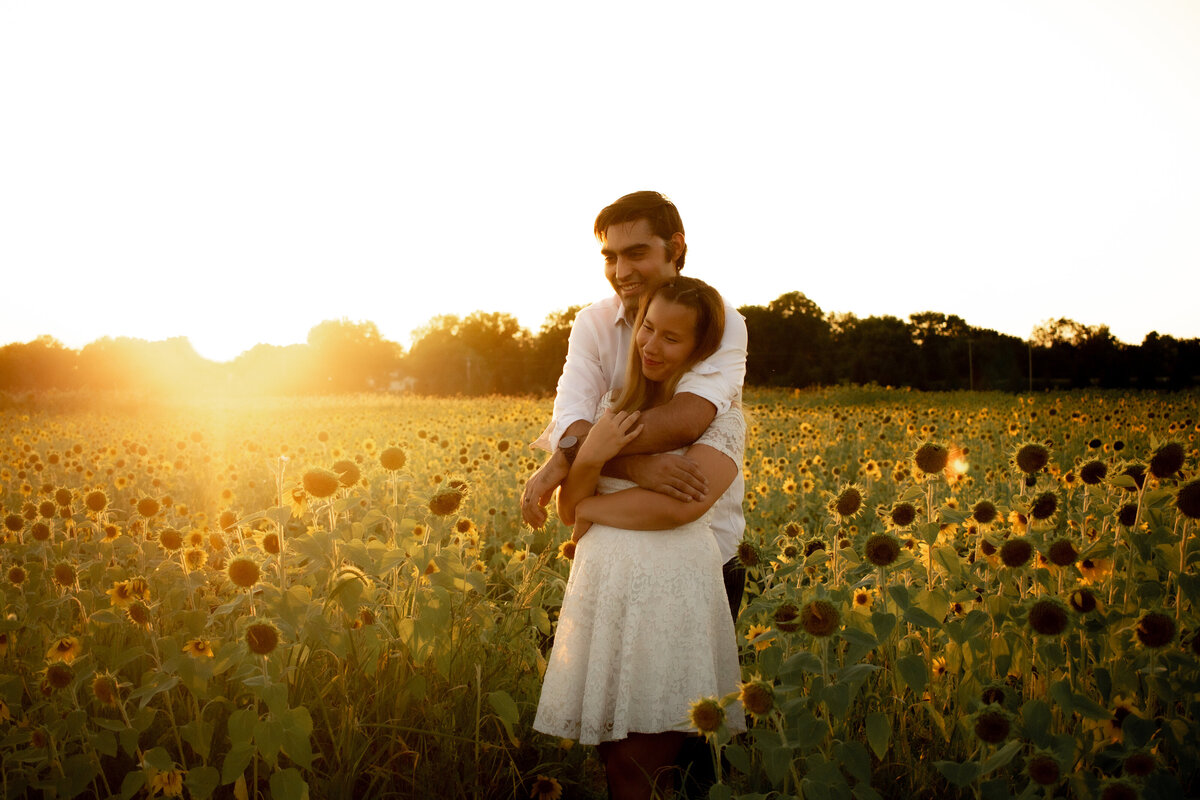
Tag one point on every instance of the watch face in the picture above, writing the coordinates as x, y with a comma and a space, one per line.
567, 441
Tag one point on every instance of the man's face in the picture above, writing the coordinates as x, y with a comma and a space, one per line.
636, 260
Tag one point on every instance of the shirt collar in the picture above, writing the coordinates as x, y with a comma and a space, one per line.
619, 314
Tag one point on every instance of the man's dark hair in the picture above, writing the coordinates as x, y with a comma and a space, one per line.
655, 208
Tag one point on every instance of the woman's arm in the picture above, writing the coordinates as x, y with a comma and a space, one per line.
605, 439
642, 509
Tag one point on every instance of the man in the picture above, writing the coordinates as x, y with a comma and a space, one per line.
642, 241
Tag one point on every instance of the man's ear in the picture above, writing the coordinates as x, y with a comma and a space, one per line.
676, 245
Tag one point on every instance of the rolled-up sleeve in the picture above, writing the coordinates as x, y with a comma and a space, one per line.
718, 378
582, 383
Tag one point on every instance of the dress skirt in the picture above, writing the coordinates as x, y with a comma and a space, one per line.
644, 632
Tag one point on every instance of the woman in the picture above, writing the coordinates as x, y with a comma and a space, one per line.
645, 628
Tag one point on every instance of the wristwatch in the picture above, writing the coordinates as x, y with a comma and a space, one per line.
569, 447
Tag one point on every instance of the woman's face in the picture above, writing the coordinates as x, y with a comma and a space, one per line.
666, 339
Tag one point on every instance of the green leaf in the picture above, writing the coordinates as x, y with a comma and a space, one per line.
800, 663
132, 783
236, 761
1036, 718
268, 738
879, 732
287, 784
160, 759
720, 791
921, 618
883, 623
1002, 756
912, 669
958, 774
297, 733
202, 781
241, 726
506, 710
739, 757
857, 672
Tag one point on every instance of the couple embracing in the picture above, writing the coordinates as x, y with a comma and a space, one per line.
647, 442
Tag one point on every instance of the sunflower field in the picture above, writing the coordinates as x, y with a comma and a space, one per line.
965, 595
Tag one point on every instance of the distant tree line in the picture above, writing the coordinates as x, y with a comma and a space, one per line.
792, 343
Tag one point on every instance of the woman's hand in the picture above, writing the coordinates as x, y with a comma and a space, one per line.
581, 527
610, 433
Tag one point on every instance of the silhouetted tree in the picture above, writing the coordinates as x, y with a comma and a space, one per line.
549, 350
351, 356
788, 342
41, 364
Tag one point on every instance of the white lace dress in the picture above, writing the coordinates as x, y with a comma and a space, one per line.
645, 628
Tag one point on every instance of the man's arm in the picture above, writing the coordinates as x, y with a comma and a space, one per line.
541, 485
642, 509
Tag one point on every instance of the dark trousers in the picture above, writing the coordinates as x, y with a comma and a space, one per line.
696, 757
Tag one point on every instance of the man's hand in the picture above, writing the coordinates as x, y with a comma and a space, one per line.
667, 473
540, 489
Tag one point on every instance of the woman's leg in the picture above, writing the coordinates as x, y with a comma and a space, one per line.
639, 767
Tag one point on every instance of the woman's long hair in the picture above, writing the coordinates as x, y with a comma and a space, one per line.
639, 392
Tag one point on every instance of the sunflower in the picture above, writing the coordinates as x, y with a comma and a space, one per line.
1043, 768
1095, 570
862, 600
244, 572
1031, 458
139, 614
757, 697
321, 483
1155, 630
199, 648
847, 504
120, 595
1048, 617
170, 783
755, 631
393, 458
545, 788
64, 649
104, 689
64, 574
820, 618
707, 715
992, 725
262, 638
931, 458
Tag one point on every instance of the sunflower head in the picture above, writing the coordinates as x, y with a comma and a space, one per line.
992, 725
321, 483
931, 458
1167, 460
393, 458
1048, 617
1155, 630
262, 638
1187, 500
1093, 472
244, 572
707, 715
882, 549
984, 512
1031, 458
1016, 552
820, 618
757, 697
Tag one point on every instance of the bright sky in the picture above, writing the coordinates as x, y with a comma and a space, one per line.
237, 172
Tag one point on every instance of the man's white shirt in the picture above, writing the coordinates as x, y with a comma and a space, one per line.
597, 354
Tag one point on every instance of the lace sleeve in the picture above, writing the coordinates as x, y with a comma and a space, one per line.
727, 433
